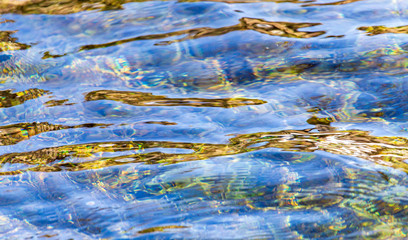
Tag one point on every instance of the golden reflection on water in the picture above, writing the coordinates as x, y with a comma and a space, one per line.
160, 229
9, 43
285, 196
15, 133
54, 103
74, 6
305, 3
148, 99
376, 30
290, 194
335, 3
389, 151
282, 29
58, 6
8, 98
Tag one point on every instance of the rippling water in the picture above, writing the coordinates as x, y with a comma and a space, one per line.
235, 119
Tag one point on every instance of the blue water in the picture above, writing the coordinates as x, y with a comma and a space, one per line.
203, 119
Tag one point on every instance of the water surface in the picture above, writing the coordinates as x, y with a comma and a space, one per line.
280, 119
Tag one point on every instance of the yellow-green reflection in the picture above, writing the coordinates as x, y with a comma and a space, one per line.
390, 151
342, 2
376, 30
14, 133
306, 3
160, 229
282, 29
9, 43
148, 99
252, 1
8, 98
58, 6
54, 103
74, 6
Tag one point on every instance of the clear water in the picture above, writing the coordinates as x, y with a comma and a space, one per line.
203, 119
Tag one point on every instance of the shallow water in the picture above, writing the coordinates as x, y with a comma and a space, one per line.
280, 119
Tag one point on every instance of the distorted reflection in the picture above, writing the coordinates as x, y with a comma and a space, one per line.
389, 151
342, 2
160, 229
8, 98
54, 103
9, 43
281, 29
69, 7
238, 119
376, 30
58, 6
14, 133
148, 99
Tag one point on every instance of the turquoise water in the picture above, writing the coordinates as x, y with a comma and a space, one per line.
203, 119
